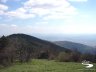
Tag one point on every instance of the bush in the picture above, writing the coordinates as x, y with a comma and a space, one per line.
64, 57
75, 56
44, 55
88, 57
69, 57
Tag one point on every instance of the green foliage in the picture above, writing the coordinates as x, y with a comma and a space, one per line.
88, 57
64, 57
3, 56
48, 66
3, 42
24, 47
75, 57
44, 55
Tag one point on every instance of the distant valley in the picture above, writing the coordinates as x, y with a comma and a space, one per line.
89, 40
76, 46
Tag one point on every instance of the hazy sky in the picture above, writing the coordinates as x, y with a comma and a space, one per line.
48, 16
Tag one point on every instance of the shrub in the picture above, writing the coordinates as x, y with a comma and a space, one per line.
64, 57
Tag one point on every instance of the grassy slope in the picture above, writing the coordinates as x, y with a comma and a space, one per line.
47, 66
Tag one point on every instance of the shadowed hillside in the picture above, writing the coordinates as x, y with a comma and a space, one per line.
36, 43
76, 46
24, 47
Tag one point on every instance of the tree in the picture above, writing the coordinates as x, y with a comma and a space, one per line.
75, 55
44, 55
24, 51
3, 42
3, 56
88, 57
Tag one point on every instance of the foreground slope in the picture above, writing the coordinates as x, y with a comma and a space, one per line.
48, 66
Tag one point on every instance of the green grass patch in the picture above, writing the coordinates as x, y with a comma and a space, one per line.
47, 66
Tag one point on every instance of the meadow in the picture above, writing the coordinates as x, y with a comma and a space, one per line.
39, 65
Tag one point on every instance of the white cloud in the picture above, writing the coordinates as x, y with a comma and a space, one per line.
45, 2
65, 29
79, 0
6, 29
39, 11
41, 23
46, 9
20, 13
3, 7
62, 14
3, 1
13, 25
5, 26
1, 12
71, 27
50, 8
17, 0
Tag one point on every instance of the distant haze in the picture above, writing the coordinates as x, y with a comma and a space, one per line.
84, 39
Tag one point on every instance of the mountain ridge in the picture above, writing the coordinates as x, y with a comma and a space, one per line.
76, 46
17, 41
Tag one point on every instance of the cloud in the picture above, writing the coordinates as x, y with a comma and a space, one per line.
20, 13
8, 25
79, 0
3, 1
3, 7
6, 29
50, 8
13, 25
10, 29
41, 23
62, 14
65, 29
70, 27
46, 9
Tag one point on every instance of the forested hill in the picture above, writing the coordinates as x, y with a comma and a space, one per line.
23, 47
35, 42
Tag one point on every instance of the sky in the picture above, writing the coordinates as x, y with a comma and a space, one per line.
48, 17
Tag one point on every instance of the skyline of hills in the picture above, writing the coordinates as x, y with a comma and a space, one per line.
23, 47
76, 46
34, 44
83, 48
